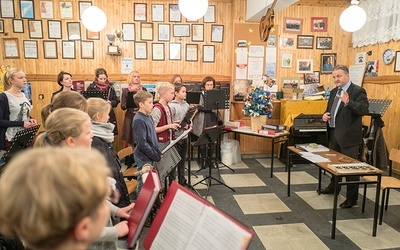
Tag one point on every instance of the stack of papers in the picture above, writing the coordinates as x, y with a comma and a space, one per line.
313, 157
318, 148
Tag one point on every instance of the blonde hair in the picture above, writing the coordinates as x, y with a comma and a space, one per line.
142, 96
46, 192
68, 99
130, 76
97, 106
9, 75
164, 87
61, 124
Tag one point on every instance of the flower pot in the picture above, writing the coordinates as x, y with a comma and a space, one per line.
257, 122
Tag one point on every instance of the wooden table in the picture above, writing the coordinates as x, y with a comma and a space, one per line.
338, 158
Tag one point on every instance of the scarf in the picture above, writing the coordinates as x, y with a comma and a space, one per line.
103, 86
103, 131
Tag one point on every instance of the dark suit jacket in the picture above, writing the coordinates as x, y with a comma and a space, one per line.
348, 122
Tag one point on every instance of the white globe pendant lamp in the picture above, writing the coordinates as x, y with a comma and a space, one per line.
353, 18
94, 19
193, 9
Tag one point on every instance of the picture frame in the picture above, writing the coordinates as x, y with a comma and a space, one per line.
7, 9
18, 26
163, 32
311, 78
292, 25
46, 10
319, 24
140, 12
129, 31
83, 5
2, 26
74, 31
35, 29
30, 49
208, 53
397, 62
68, 49
286, 61
287, 42
66, 10
174, 13
91, 35
146, 31
10, 48
157, 12
87, 50
158, 51
54, 29
197, 32
217, 33
209, 17
50, 49
175, 51
27, 9
305, 42
141, 50
324, 42
191, 54
328, 62
181, 30
304, 66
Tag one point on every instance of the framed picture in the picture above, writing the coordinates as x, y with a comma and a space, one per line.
18, 26
146, 31
209, 17
310, 78
175, 51
2, 26
83, 5
140, 50
208, 53
197, 32
90, 35
50, 49
46, 10
397, 62
54, 29
163, 32
87, 49
73, 31
174, 13
324, 42
328, 62
181, 30
158, 51
35, 29
7, 8
319, 24
140, 12
27, 9
286, 61
66, 10
305, 42
68, 49
304, 66
217, 33
191, 52
129, 31
30, 49
10, 48
287, 42
157, 12
292, 25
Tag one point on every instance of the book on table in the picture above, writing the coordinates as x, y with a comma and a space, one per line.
187, 221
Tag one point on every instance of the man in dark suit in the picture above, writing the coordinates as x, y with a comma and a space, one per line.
346, 106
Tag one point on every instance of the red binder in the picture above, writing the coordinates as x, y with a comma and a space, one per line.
143, 205
187, 221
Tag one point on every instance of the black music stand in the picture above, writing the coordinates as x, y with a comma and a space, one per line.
208, 137
22, 140
95, 93
130, 102
378, 106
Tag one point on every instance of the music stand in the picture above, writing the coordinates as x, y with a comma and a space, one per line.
130, 102
193, 97
207, 137
95, 93
378, 106
22, 139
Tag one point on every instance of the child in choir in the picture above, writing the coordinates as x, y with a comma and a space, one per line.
64, 79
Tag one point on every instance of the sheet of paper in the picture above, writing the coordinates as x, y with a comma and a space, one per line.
173, 142
320, 148
314, 158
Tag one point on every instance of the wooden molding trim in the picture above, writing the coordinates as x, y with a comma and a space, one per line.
382, 79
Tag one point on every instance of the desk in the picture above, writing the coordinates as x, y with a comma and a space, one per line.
292, 108
281, 137
334, 157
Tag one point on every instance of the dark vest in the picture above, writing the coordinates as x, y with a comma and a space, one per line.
165, 135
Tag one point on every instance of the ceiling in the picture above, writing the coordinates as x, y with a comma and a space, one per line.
323, 3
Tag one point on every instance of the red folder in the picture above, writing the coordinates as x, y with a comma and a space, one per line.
187, 221
143, 205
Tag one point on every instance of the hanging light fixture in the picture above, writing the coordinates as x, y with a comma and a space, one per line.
193, 9
353, 18
94, 19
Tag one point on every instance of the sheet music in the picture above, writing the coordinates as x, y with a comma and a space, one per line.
313, 157
173, 142
319, 148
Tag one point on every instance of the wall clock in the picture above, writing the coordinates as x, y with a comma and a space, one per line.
388, 56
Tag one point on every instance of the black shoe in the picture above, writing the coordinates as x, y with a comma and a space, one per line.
348, 204
327, 190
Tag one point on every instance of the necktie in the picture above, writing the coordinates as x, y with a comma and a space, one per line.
334, 107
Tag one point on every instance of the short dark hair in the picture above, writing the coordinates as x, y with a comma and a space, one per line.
60, 77
207, 79
100, 71
178, 86
342, 67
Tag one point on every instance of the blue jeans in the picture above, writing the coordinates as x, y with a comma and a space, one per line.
140, 165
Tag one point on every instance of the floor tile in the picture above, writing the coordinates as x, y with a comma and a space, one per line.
296, 178
260, 203
394, 197
318, 202
242, 180
240, 165
266, 162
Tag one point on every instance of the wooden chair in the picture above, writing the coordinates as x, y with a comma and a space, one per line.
387, 183
129, 172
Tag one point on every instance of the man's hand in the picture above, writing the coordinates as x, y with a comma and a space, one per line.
326, 116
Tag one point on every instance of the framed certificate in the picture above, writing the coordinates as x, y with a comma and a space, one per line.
27, 10
7, 8
18, 26
35, 29
157, 13
54, 29
68, 49
191, 52
129, 31
83, 5
174, 51
163, 32
208, 53
90, 35
209, 17
181, 30
50, 49
10, 48
158, 51
30, 49
174, 13
197, 32
87, 49
217, 33
66, 10
146, 31
140, 12
46, 9
140, 50
73, 31
2, 26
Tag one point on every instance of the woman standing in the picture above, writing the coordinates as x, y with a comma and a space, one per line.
101, 83
176, 79
64, 79
15, 108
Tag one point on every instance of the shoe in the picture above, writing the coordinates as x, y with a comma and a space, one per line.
327, 190
348, 204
